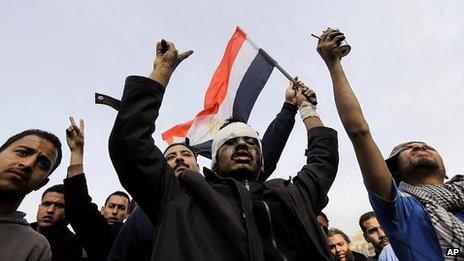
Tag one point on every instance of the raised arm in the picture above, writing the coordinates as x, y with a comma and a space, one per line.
316, 177
140, 165
85, 218
375, 173
277, 133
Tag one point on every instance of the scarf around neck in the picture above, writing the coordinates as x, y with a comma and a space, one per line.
440, 202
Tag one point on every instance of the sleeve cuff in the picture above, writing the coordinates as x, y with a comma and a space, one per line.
144, 81
291, 108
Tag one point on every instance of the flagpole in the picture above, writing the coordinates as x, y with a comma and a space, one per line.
312, 99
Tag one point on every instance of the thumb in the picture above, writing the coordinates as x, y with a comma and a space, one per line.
184, 55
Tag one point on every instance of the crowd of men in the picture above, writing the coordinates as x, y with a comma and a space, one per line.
231, 211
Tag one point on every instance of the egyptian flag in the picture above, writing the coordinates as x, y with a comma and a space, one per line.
232, 92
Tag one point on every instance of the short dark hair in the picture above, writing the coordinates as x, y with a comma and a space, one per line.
186, 144
364, 217
336, 231
118, 193
42, 134
55, 188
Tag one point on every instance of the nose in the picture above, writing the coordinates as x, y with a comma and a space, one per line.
51, 209
115, 211
381, 233
241, 143
337, 248
27, 164
179, 158
420, 147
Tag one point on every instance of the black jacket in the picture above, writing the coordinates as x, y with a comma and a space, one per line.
212, 218
135, 240
92, 229
64, 244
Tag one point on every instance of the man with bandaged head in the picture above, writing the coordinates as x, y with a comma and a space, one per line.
227, 214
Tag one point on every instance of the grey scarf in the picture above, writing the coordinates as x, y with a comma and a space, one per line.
440, 201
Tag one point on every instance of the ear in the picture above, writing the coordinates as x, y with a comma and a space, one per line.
101, 209
43, 183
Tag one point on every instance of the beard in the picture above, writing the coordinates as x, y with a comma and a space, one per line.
425, 164
242, 173
422, 165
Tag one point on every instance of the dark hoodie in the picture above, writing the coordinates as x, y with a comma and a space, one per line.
64, 244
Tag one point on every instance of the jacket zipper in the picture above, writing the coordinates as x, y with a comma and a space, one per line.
274, 242
247, 186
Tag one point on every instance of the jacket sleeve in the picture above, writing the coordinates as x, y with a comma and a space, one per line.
140, 165
92, 229
275, 138
135, 240
121, 249
316, 177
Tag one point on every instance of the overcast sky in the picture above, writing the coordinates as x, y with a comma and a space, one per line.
405, 66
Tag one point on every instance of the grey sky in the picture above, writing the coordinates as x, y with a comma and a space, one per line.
405, 66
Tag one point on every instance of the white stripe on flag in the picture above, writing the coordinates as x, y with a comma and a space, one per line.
204, 129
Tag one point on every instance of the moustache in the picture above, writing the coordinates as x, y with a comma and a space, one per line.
181, 164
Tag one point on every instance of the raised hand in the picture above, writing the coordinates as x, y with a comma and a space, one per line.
166, 61
75, 136
303, 94
290, 93
328, 45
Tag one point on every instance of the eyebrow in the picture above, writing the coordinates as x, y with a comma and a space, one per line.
42, 155
52, 202
117, 205
174, 152
169, 154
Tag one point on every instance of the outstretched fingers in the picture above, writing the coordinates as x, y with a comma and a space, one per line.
184, 55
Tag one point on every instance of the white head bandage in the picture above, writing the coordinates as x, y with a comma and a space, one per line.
232, 131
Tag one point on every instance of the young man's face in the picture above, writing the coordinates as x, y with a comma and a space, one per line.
25, 165
418, 156
115, 209
51, 211
181, 158
339, 248
375, 234
239, 156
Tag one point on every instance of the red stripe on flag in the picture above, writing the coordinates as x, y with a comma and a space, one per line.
217, 88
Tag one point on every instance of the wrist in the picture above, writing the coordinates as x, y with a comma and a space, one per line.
76, 158
291, 103
160, 78
307, 110
333, 64
74, 170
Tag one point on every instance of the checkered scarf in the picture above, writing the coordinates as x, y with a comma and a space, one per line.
440, 201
